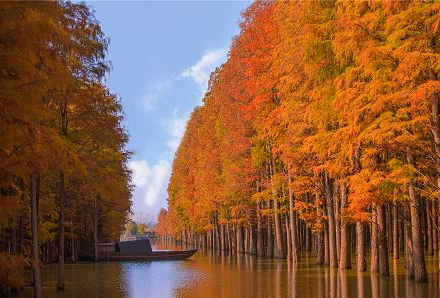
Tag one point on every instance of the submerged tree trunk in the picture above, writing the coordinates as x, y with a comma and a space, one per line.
435, 129
293, 230
382, 239
336, 212
72, 248
20, 234
395, 232
360, 235
320, 248
408, 241
345, 251
38, 293
253, 234
95, 230
229, 236
326, 245
438, 229
278, 230
288, 240
429, 228
333, 260
269, 235
13, 236
260, 235
239, 234
374, 252
433, 215
216, 231
417, 237
61, 235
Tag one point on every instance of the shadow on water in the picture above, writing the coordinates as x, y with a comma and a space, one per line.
223, 274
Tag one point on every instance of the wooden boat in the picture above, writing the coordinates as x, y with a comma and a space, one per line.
139, 250
147, 256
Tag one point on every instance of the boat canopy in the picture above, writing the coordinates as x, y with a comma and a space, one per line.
134, 246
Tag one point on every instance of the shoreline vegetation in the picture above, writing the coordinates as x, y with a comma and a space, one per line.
64, 179
321, 133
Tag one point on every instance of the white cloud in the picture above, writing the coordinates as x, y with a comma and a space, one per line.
201, 71
141, 172
176, 128
155, 90
151, 183
151, 180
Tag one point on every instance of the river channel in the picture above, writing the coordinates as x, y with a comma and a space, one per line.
209, 274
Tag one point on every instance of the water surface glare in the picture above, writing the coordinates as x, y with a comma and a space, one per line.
209, 274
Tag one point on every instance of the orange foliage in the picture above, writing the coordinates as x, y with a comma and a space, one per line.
344, 88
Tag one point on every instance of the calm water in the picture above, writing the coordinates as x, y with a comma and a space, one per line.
222, 275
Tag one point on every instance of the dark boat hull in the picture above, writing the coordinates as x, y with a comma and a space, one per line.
150, 256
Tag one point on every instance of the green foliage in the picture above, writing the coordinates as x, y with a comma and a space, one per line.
130, 228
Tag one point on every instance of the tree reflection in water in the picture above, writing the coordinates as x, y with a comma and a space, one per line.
223, 274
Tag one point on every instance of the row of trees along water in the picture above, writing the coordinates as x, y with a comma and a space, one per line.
64, 179
320, 133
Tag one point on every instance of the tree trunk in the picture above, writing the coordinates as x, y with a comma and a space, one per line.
288, 241
395, 232
374, 242
333, 260
336, 212
72, 248
253, 240
417, 237
435, 129
20, 234
345, 252
61, 235
293, 230
269, 235
434, 225
13, 236
231, 237
389, 230
437, 230
309, 240
278, 230
221, 238
95, 230
319, 247
382, 239
260, 235
216, 231
326, 245
408, 241
38, 293
429, 227
360, 235
240, 244
246, 240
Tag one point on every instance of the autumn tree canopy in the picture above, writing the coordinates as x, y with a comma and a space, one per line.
324, 118
61, 125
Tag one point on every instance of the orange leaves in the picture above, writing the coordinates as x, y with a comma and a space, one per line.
425, 93
416, 68
310, 87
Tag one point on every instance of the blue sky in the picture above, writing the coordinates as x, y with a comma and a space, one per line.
162, 53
